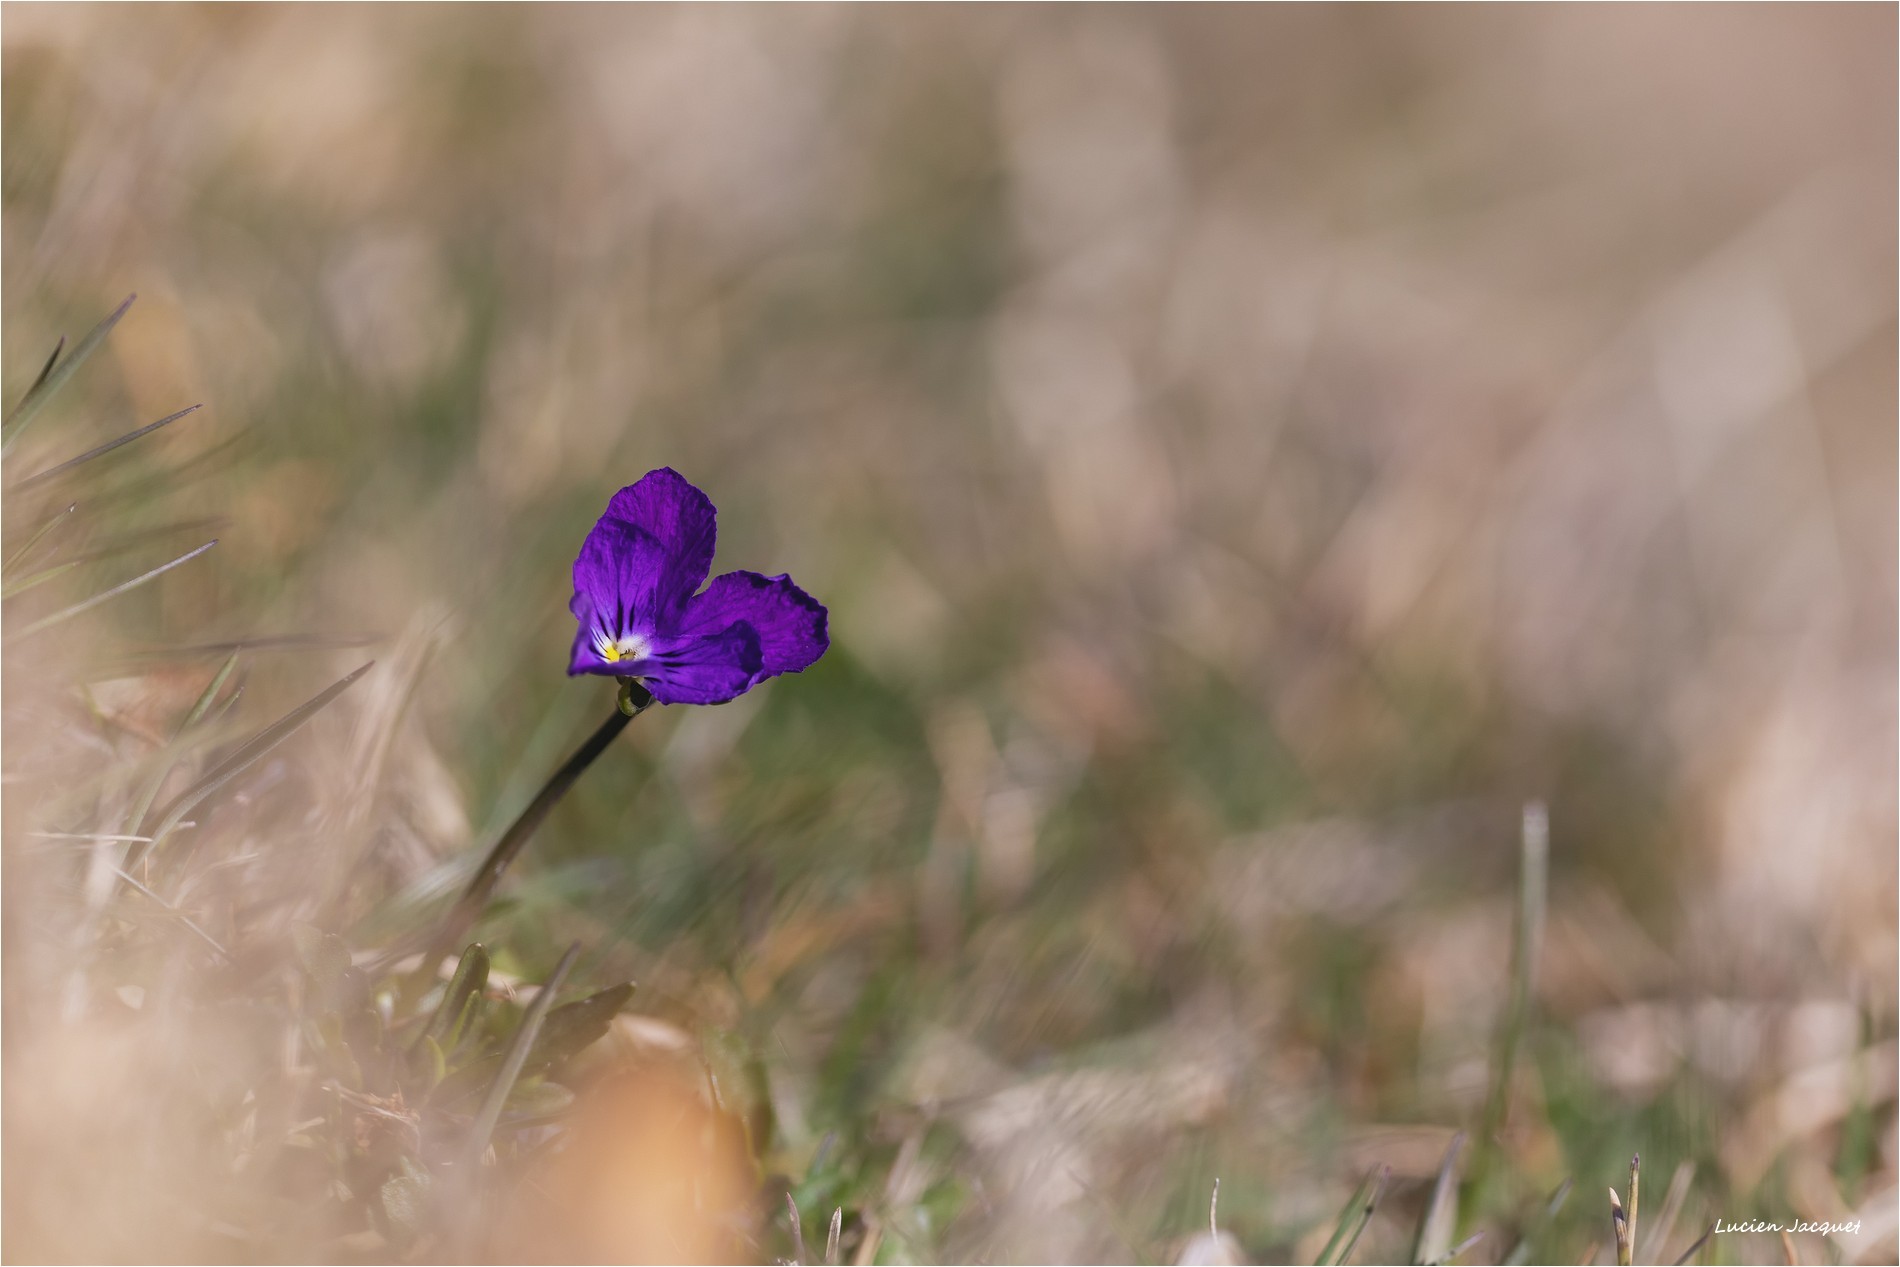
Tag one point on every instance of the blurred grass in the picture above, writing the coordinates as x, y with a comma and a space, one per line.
1247, 455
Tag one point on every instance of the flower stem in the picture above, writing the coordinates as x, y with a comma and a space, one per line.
634, 700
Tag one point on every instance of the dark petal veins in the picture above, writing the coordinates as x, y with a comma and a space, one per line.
585, 659
792, 625
667, 508
701, 668
617, 579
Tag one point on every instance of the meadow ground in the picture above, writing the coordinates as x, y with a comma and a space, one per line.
1250, 455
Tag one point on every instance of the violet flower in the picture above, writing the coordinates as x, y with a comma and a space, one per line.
640, 618
642, 622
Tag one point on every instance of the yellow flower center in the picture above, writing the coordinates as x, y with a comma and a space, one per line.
631, 647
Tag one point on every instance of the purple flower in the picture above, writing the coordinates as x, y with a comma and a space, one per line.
633, 594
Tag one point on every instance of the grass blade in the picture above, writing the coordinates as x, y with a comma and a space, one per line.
1457, 1251
109, 548
1696, 1248
33, 580
47, 622
39, 380
1636, 1174
1532, 890
54, 376
1358, 1208
1437, 1224
53, 472
1525, 1244
199, 707
182, 918
247, 754
39, 534
1673, 1198
517, 1055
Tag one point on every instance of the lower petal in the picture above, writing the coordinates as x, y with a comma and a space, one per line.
699, 668
792, 626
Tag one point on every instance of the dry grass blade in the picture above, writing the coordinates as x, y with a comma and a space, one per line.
1628, 1245
1457, 1251
517, 1055
47, 622
1620, 1228
831, 1236
1355, 1217
1696, 1248
54, 376
798, 1229
250, 751
1673, 1199
182, 918
53, 472
1435, 1227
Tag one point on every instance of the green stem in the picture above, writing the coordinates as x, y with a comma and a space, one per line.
634, 700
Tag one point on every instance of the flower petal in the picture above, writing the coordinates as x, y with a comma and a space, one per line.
682, 519
700, 668
617, 581
792, 626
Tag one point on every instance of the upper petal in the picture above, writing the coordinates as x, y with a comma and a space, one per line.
619, 576
793, 627
682, 519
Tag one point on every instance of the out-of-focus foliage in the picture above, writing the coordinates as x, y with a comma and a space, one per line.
1247, 453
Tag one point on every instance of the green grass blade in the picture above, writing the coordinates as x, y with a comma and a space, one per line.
124, 543
1357, 1210
39, 380
54, 376
1365, 1215
39, 535
53, 472
168, 757
235, 764
33, 580
517, 1055
1532, 894
1436, 1227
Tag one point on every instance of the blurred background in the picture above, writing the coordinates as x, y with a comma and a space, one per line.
1248, 453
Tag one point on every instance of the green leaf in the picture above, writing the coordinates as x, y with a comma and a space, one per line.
573, 1027
54, 376
537, 1100
451, 1016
